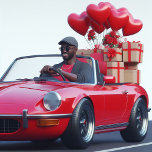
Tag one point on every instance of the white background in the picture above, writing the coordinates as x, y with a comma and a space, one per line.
29, 27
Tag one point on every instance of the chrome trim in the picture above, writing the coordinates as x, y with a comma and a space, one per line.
26, 116
110, 129
49, 116
102, 127
45, 101
95, 72
51, 55
39, 116
10, 116
25, 121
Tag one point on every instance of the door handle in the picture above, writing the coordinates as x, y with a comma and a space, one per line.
125, 92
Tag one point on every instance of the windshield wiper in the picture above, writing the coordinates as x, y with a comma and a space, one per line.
45, 79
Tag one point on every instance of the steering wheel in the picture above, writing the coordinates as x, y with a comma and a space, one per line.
57, 71
47, 76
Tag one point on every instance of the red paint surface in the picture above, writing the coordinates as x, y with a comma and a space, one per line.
110, 104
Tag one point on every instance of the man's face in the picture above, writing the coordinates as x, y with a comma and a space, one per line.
67, 51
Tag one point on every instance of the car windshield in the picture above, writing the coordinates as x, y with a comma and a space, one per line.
28, 68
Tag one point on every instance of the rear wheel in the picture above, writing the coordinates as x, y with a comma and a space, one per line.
80, 131
138, 123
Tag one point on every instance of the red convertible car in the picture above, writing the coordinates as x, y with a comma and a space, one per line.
44, 108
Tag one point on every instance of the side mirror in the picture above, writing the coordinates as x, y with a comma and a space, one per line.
109, 79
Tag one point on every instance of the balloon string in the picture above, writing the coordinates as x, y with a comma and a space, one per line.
88, 42
99, 36
93, 43
121, 37
103, 34
98, 39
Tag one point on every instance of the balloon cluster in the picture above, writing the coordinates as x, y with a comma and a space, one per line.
104, 16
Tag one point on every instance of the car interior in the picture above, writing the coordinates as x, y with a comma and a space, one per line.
101, 65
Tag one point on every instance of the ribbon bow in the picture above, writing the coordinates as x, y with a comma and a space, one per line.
111, 53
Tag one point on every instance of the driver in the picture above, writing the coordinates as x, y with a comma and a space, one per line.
71, 68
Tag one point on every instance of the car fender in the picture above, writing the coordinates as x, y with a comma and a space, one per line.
78, 99
140, 92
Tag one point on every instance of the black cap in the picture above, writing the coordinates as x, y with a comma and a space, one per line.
69, 40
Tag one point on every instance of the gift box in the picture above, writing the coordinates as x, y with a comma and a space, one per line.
97, 54
131, 65
132, 52
113, 54
116, 69
88, 52
132, 76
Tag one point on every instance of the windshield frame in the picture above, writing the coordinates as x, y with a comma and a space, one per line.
51, 55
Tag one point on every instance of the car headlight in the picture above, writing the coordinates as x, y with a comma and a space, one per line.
52, 100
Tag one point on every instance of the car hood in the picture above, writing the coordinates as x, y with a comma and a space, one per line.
16, 96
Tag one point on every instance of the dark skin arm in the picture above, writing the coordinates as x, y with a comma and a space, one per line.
47, 69
70, 76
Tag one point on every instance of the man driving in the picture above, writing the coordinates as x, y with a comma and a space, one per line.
71, 68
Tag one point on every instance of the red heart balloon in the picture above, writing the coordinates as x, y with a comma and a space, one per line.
85, 16
118, 19
99, 14
96, 27
132, 27
107, 24
108, 4
79, 23
123, 9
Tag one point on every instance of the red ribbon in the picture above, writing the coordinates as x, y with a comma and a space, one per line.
126, 66
129, 49
82, 53
112, 53
95, 50
140, 45
97, 47
118, 72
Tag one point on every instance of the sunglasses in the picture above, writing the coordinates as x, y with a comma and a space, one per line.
67, 48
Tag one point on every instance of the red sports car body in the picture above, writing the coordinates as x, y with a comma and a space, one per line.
25, 115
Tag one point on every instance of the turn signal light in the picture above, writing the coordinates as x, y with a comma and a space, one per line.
47, 122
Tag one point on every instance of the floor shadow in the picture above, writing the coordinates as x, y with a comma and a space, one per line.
100, 142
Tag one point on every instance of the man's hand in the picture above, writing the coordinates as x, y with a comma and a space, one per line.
47, 69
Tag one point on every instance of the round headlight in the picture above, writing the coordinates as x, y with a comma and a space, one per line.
52, 100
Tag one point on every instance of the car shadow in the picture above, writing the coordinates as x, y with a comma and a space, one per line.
100, 142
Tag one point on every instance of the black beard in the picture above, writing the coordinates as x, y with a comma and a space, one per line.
69, 57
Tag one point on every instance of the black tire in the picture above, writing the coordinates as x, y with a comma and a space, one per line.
138, 123
80, 131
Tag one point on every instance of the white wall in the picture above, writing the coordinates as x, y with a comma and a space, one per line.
30, 27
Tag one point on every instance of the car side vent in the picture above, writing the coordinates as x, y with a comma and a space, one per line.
9, 125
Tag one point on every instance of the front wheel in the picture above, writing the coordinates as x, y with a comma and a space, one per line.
80, 131
138, 123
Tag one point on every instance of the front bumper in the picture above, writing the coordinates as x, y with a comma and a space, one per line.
32, 126
25, 116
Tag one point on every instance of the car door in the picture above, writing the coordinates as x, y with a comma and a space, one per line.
115, 103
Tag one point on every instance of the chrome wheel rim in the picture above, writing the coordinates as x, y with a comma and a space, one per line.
141, 121
86, 124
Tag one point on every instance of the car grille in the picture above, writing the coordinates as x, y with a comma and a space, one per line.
9, 125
